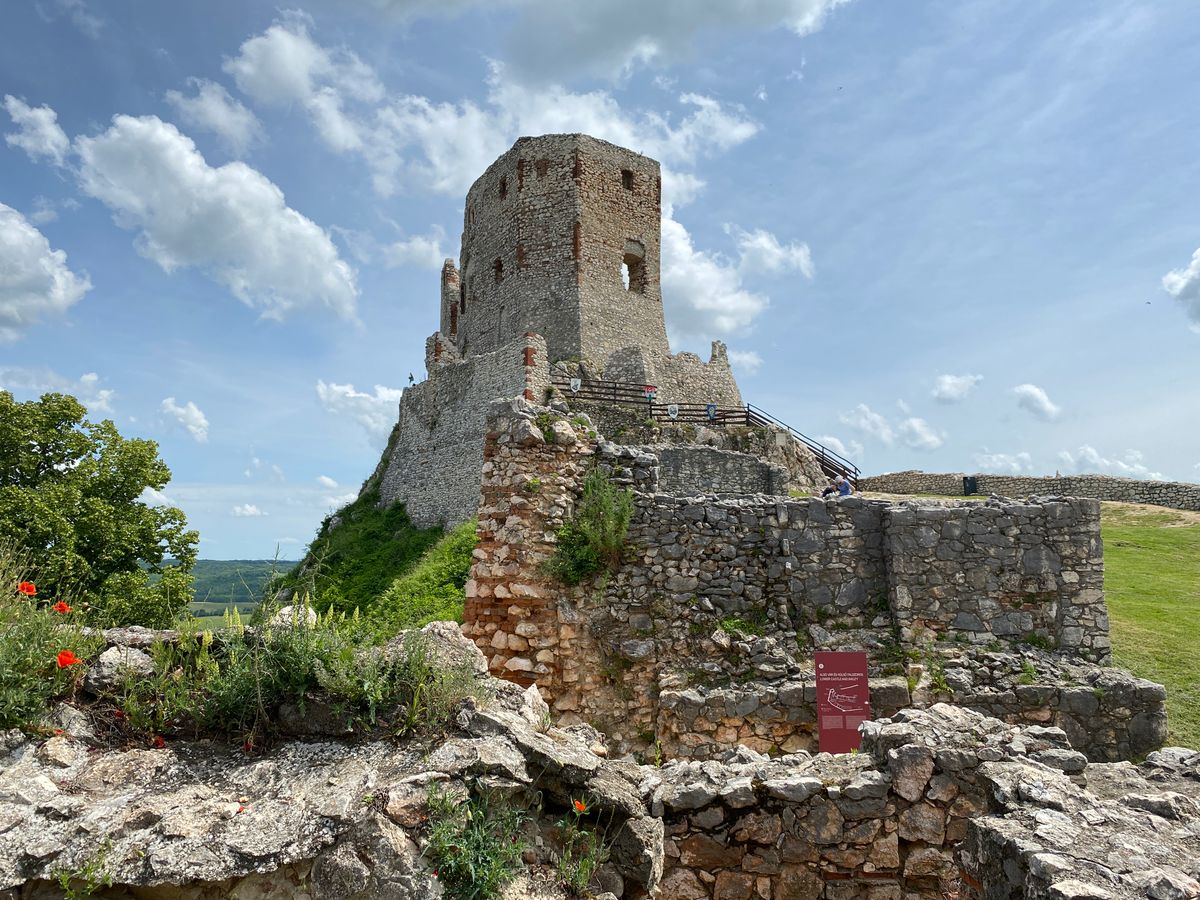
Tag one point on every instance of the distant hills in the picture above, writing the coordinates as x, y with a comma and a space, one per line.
222, 583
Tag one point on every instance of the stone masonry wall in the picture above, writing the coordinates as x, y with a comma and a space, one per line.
706, 470
434, 462
703, 637
1000, 570
1175, 494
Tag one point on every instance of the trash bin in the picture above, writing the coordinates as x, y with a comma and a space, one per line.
970, 485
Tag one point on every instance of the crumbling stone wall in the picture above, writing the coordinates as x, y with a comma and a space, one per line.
1175, 494
706, 470
433, 463
703, 637
992, 570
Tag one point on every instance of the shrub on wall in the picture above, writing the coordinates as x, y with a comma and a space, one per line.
594, 539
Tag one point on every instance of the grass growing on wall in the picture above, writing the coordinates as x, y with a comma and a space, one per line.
352, 563
1152, 584
432, 590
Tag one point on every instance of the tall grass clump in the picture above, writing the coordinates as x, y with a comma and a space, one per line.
474, 846
594, 538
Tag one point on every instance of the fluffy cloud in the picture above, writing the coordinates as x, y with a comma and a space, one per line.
35, 282
1088, 459
76, 11
374, 412
326, 482
86, 389
1184, 285
213, 109
866, 421
189, 416
703, 293
1034, 400
420, 251
761, 251
247, 511
1004, 463
918, 434
616, 37
953, 388
746, 361
151, 497
40, 134
337, 501
232, 222
852, 450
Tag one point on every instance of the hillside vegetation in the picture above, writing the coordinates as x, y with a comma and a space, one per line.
222, 584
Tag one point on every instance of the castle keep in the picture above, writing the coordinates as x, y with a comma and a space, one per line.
558, 278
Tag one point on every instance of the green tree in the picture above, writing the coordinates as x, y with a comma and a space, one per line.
70, 492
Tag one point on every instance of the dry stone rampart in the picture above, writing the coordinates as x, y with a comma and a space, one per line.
703, 637
1174, 494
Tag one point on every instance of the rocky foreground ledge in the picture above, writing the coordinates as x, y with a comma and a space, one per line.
941, 801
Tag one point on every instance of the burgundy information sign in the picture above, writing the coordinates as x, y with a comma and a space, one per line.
843, 700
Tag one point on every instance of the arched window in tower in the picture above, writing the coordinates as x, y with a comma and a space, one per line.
503, 186
627, 179
633, 267
498, 268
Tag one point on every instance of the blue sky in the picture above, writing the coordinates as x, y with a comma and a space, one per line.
941, 235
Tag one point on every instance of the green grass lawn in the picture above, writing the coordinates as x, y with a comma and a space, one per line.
1152, 584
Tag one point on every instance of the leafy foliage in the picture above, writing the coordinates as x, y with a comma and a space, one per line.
594, 539
475, 846
358, 553
70, 492
432, 590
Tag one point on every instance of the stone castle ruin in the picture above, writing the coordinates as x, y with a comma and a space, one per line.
559, 280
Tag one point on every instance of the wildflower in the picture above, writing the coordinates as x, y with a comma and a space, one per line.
159, 741
241, 808
61, 607
580, 807
26, 588
118, 713
248, 746
67, 658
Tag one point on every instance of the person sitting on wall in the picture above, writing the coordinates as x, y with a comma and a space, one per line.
830, 488
844, 487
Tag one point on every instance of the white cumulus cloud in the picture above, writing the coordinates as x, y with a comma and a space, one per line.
419, 251
188, 416
761, 251
919, 434
1184, 285
39, 133
375, 412
953, 388
852, 450
326, 482
1130, 464
745, 361
35, 281
152, 497
86, 389
866, 421
247, 511
211, 108
1004, 463
231, 221
1037, 402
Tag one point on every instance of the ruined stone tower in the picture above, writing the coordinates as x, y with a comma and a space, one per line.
560, 263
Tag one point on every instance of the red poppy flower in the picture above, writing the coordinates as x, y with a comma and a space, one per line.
61, 607
26, 588
67, 658
118, 713
248, 746
159, 742
580, 807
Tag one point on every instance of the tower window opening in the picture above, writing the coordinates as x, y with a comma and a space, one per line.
498, 268
627, 179
633, 267
503, 186
542, 166
462, 298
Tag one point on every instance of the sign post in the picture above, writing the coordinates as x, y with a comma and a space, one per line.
843, 699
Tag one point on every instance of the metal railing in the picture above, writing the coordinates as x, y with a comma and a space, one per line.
831, 462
